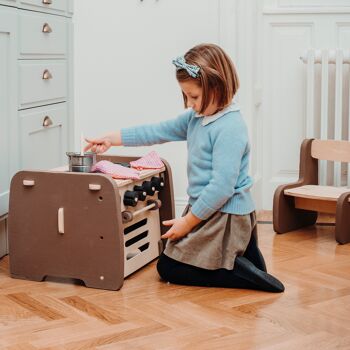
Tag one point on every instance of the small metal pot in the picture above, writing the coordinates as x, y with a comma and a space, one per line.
81, 163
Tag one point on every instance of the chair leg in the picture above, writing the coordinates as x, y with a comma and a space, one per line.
342, 219
286, 217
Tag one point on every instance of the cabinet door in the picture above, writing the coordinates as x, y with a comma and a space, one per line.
8, 103
43, 137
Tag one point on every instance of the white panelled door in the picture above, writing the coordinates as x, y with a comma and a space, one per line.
290, 27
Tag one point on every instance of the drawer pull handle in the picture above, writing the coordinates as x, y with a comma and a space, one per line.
47, 2
47, 75
28, 183
46, 28
47, 121
94, 187
60, 220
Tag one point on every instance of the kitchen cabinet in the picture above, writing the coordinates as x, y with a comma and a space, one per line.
35, 89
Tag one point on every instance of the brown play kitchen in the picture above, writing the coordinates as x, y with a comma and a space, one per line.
70, 223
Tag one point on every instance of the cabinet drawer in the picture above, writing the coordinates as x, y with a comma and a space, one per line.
52, 6
42, 82
43, 137
42, 35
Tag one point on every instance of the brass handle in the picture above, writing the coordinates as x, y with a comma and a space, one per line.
46, 28
47, 75
47, 121
47, 2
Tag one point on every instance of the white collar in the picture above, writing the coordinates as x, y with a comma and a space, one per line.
232, 107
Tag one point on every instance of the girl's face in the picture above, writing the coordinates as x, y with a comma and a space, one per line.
193, 93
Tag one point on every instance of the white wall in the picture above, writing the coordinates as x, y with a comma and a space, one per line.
124, 75
123, 72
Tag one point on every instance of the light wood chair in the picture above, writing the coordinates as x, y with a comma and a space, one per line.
297, 204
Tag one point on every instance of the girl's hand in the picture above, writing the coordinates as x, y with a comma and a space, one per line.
180, 227
102, 144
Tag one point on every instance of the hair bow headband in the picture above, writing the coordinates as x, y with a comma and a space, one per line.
191, 69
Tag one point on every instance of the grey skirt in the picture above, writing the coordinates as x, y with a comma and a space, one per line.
215, 242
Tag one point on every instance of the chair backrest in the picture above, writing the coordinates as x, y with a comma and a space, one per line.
333, 150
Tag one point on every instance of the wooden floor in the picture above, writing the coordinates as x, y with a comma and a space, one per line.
313, 313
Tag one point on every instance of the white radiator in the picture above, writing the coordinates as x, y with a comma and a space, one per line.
327, 105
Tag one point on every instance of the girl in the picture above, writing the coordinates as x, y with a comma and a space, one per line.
214, 243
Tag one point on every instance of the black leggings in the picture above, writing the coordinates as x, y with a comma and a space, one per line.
253, 253
248, 273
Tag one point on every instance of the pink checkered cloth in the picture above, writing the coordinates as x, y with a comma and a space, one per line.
149, 161
115, 170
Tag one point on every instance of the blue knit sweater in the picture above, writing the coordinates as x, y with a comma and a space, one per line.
218, 158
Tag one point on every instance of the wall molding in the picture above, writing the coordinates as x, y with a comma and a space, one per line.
305, 10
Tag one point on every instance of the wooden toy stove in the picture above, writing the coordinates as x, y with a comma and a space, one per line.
87, 226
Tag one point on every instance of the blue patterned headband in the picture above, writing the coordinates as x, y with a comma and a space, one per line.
180, 63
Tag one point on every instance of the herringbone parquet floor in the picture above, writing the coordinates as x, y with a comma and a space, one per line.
313, 313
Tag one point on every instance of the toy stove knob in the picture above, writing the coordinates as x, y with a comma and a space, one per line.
158, 183
141, 193
130, 198
148, 187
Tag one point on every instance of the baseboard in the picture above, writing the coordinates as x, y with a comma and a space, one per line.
180, 205
3, 238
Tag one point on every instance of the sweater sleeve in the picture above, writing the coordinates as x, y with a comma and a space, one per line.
150, 134
230, 143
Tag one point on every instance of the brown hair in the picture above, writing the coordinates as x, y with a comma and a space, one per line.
217, 75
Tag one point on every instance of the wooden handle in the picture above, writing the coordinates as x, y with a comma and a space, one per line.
150, 206
61, 220
94, 187
28, 183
